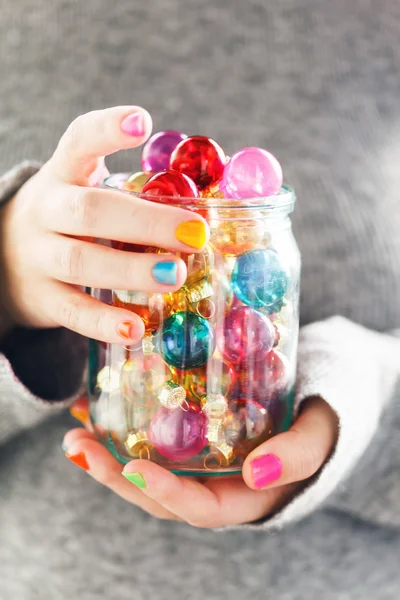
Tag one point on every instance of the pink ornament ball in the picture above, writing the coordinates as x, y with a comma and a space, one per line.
251, 173
179, 434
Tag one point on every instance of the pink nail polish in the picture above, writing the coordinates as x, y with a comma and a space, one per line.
265, 470
134, 125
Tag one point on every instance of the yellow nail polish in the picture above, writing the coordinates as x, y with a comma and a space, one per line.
192, 233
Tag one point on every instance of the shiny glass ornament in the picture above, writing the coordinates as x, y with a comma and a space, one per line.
214, 374
248, 336
170, 184
251, 173
199, 157
259, 279
135, 182
179, 434
157, 150
187, 341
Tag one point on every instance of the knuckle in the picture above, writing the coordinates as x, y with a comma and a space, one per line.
70, 262
70, 311
100, 324
83, 209
309, 461
71, 139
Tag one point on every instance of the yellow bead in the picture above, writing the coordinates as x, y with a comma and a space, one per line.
135, 182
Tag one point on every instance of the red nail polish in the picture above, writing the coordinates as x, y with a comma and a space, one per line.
78, 459
265, 470
126, 329
134, 125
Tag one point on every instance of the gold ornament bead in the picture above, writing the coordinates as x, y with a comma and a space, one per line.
214, 405
171, 395
222, 453
135, 182
199, 292
147, 345
108, 380
138, 444
212, 191
214, 431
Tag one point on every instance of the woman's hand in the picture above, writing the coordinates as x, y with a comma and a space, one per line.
272, 474
47, 232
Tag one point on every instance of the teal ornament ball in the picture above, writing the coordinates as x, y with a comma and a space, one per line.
187, 341
259, 279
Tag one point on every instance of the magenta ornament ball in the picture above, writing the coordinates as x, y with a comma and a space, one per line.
157, 151
251, 173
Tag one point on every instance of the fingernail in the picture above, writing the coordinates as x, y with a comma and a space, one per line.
134, 125
135, 478
165, 272
78, 459
64, 447
192, 233
265, 469
126, 329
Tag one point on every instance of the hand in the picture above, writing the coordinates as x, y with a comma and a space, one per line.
292, 458
49, 227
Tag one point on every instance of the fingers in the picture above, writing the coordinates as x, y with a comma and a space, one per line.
71, 308
296, 454
95, 135
209, 503
114, 215
88, 264
83, 450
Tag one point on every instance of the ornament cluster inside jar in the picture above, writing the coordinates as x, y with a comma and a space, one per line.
213, 376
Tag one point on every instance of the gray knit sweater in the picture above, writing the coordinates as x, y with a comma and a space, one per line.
318, 83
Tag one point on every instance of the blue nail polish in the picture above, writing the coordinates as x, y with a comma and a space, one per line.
165, 272
64, 447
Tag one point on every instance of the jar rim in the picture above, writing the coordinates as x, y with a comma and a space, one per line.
283, 200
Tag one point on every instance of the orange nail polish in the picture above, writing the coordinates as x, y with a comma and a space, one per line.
78, 459
126, 329
192, 233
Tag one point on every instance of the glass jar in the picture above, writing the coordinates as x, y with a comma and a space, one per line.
214, 374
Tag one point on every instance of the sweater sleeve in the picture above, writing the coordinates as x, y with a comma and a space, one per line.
357, 371
41, 371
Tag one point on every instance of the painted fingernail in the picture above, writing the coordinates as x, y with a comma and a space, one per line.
134, 125
135, 478
126, 329
64, 447
79, 460
265, 469
192, 233
165, 272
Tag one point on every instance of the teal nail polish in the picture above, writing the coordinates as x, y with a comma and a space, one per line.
165, 272
64, 447
135, 478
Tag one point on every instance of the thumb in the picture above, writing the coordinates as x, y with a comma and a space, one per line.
296, 454
97, 134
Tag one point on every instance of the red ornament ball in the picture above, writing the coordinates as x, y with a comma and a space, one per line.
171, 183
199, 157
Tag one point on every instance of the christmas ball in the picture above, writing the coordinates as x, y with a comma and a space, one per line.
232, 238
251, 173
187, 340
246, 425
135, 182
247, 336
261, 381
179, 434
200, 158
158, 149
259, 279
142, 376
149, 307
170, 184
217, 377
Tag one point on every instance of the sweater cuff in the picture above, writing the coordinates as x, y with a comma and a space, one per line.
14, 179
355, 371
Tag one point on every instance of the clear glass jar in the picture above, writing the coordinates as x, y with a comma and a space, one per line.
214, 375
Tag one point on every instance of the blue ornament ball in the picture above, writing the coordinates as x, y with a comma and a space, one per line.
259, 279
187, 340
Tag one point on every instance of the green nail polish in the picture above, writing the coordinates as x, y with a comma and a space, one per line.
136, 479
